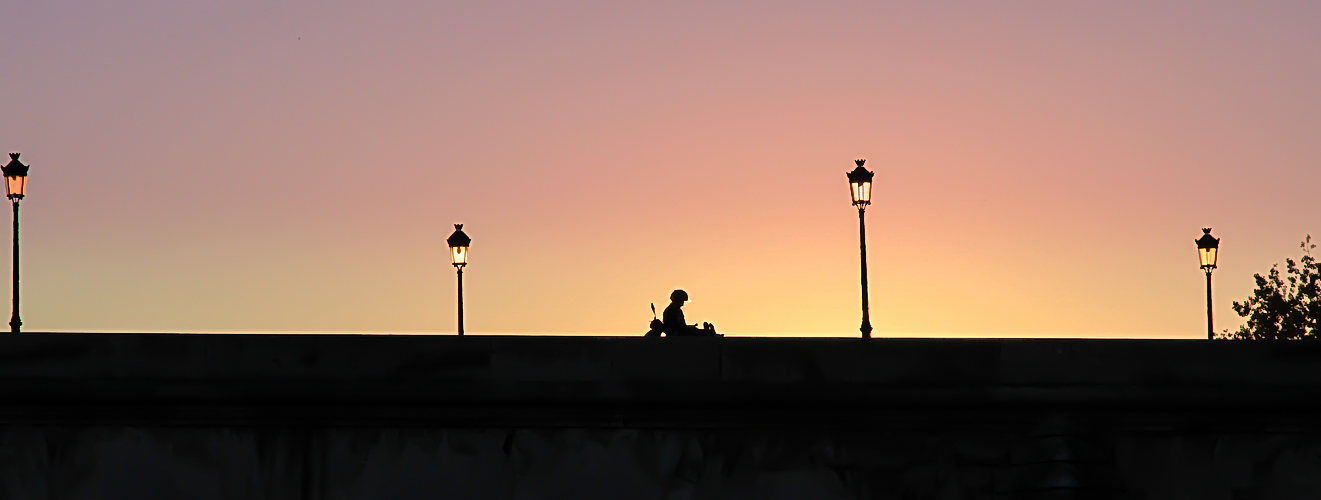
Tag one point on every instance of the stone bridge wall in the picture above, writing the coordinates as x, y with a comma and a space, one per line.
372, 417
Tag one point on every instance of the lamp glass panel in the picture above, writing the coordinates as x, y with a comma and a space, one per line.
459, 255
861, 192
15, 185
1208, 256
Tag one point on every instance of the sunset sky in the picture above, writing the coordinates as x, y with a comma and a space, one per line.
1042, 168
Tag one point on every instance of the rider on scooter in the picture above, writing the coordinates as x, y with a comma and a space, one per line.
673, 321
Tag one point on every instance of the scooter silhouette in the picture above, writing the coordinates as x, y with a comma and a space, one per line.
656, 324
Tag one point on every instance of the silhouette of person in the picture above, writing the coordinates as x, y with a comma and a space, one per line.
673, 322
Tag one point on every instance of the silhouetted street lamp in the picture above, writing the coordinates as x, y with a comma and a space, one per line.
1207, 248
860, 184
16, 179
458, 243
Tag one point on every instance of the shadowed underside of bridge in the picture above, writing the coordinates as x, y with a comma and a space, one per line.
345, 416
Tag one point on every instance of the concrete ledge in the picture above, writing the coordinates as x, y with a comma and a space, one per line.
363, 417
599, 381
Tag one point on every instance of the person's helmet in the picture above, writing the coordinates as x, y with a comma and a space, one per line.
678, 296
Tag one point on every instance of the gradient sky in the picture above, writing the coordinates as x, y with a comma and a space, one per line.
1042, 168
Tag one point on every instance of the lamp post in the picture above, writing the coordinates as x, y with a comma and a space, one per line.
16, 176
458, 243
860, 185
1207, 248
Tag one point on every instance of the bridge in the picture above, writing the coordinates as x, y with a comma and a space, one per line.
414, 416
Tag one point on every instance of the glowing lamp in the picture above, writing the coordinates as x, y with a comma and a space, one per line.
1206, 249
458, 243
860, 182
16, 176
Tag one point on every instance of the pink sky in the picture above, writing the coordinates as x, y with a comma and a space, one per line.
1042, 168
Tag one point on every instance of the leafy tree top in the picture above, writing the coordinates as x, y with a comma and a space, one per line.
1284, 306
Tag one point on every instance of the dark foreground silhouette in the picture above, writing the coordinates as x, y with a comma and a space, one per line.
330, 417
673, 323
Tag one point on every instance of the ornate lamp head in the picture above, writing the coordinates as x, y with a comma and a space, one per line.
458, 243
1207, 248
16, 176
860, 183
